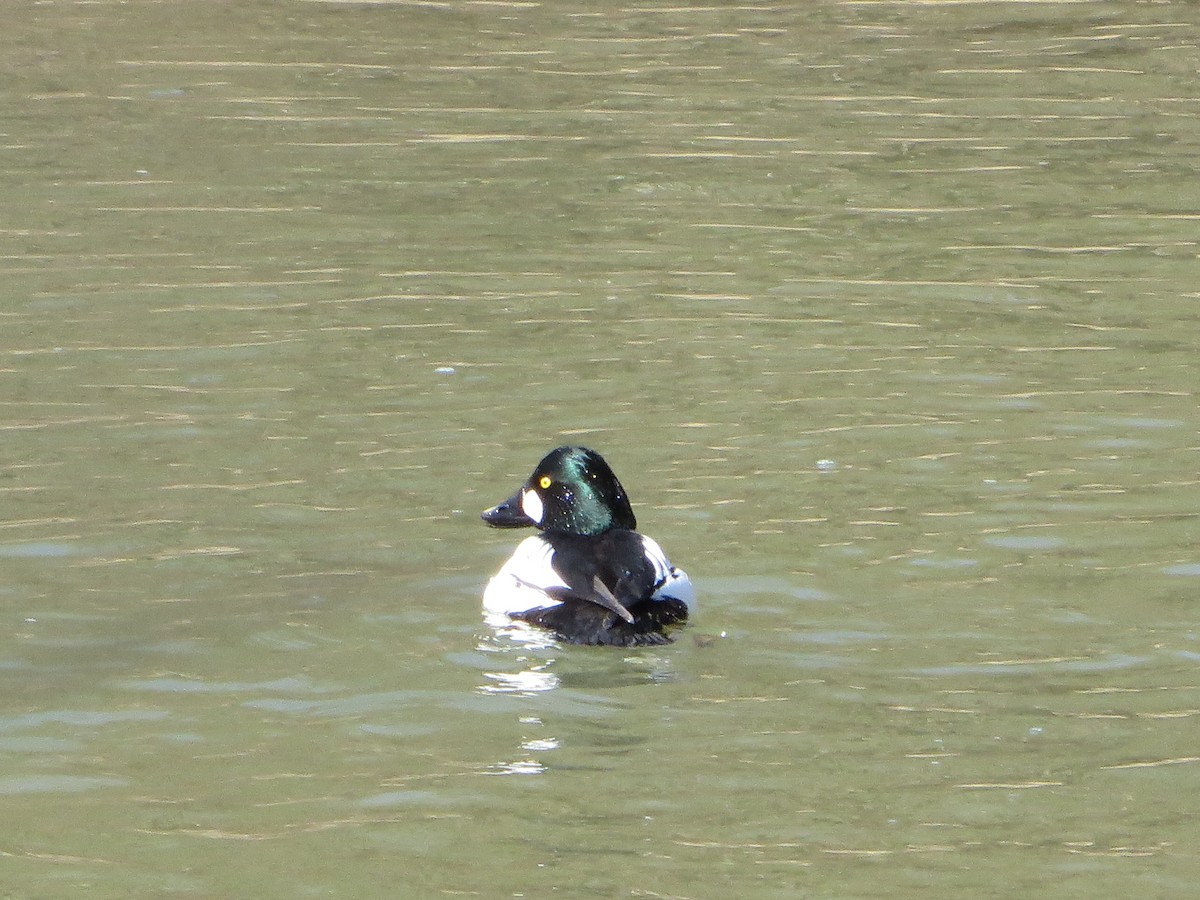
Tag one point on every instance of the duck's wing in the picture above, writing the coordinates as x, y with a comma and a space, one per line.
579, 586
611, 571
607, 593
579, 621
602, 596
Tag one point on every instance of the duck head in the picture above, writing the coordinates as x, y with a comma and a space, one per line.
572, 491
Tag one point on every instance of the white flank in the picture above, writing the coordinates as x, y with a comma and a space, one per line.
675, 582
521, 583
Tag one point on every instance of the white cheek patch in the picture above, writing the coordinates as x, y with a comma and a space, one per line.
531, 505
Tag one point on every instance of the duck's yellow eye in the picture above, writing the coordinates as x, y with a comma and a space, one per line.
545, 482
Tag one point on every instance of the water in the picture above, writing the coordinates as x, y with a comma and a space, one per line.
883, 313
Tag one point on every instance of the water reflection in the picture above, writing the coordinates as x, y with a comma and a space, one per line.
528, 681
564, 692
511, 631
534, 677
516, 767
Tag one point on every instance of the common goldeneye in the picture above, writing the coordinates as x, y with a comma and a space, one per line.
587, 575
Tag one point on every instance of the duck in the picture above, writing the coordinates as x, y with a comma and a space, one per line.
588, 576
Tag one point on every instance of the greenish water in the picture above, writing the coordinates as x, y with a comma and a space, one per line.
884, 313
